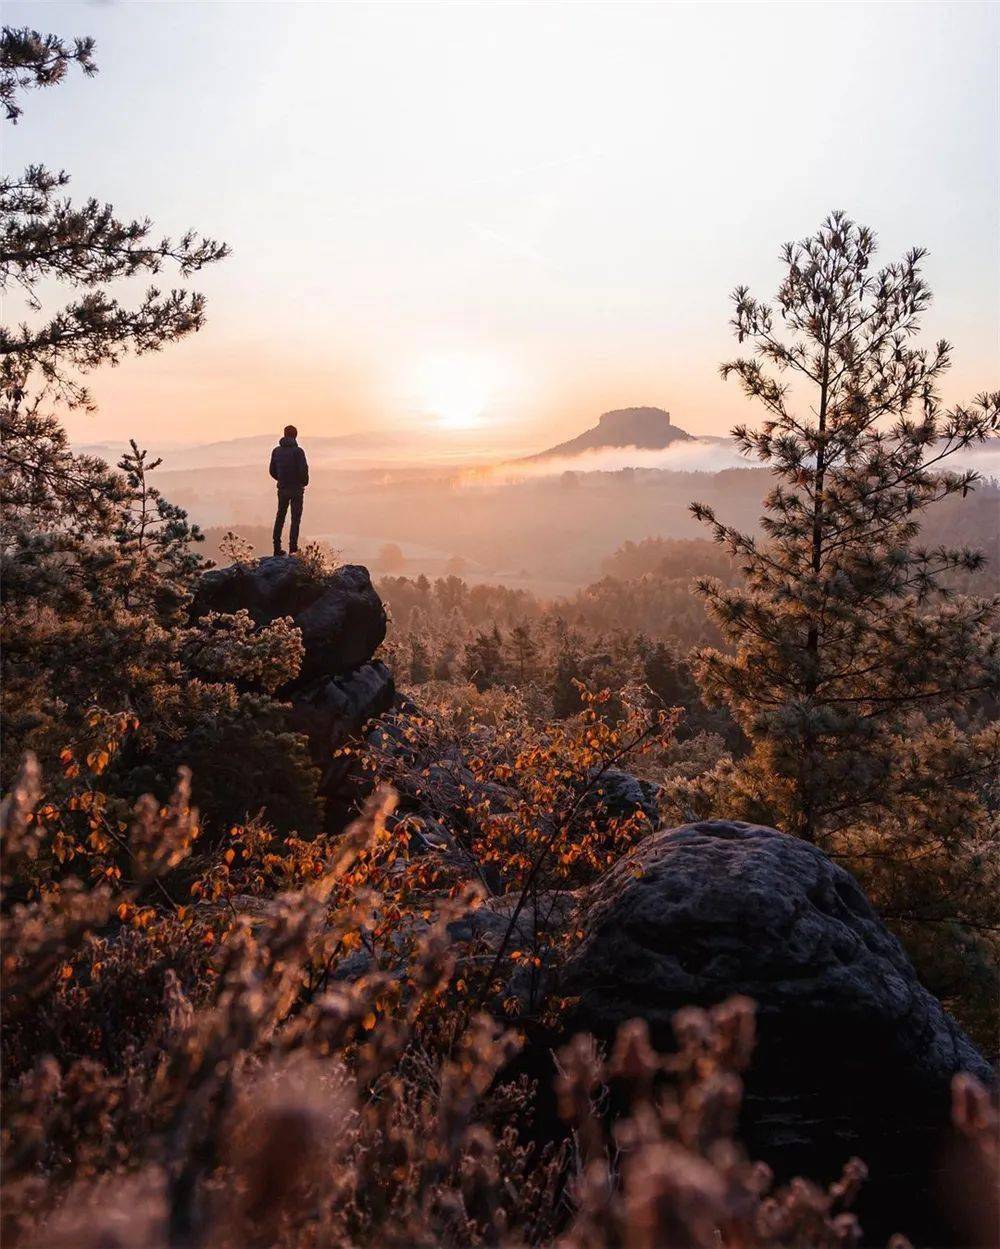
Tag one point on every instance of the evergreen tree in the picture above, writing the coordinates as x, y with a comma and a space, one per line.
97, 566
417, 622
420, 660
156, 532
523, 648
29, 59
484, 661
667, 676
566, 697
45, 239
858, 677
391, 557
451, 593
845, 636
444, 663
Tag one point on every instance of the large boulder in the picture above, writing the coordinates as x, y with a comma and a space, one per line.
330, 712
620, 796
854, 1055
340, 687
339, 613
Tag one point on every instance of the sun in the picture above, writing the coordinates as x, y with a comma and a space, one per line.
455, 390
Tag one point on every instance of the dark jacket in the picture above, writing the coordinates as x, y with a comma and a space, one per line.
288, 465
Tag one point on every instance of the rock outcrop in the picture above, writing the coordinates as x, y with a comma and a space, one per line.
620, 795
342, 620
854, 1056
340, 614
648, 428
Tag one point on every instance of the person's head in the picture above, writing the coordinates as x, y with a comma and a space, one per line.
291, 431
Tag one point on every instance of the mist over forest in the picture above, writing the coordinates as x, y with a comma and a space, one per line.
545, 526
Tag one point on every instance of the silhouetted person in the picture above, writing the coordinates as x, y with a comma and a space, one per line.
290, 470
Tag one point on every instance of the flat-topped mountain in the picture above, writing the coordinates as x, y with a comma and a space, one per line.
649, 428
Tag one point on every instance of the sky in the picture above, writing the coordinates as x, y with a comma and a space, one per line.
502, 220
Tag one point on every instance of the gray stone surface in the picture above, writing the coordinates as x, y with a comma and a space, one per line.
331, 709
854, 1055
621, 795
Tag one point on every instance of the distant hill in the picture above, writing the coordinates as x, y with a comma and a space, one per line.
232, 453
362, 449
649, 428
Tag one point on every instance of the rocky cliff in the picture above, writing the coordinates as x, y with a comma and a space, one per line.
649, 428
342, 620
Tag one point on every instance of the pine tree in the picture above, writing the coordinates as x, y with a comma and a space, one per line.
46, 239
567, 699
420, 660
444, 662
667, 676
484, 661
523, 648
849, 651
451, 593
156, 533
391, 558
29, 59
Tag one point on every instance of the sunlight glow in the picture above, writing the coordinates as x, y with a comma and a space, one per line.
536, 238
455, 390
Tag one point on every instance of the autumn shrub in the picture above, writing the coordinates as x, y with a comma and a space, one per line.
501, 787
201, 1074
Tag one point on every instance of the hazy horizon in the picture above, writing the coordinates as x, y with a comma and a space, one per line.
502, 220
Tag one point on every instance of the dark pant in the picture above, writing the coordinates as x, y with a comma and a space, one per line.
288, 495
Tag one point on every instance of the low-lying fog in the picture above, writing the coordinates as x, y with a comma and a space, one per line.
546, 525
